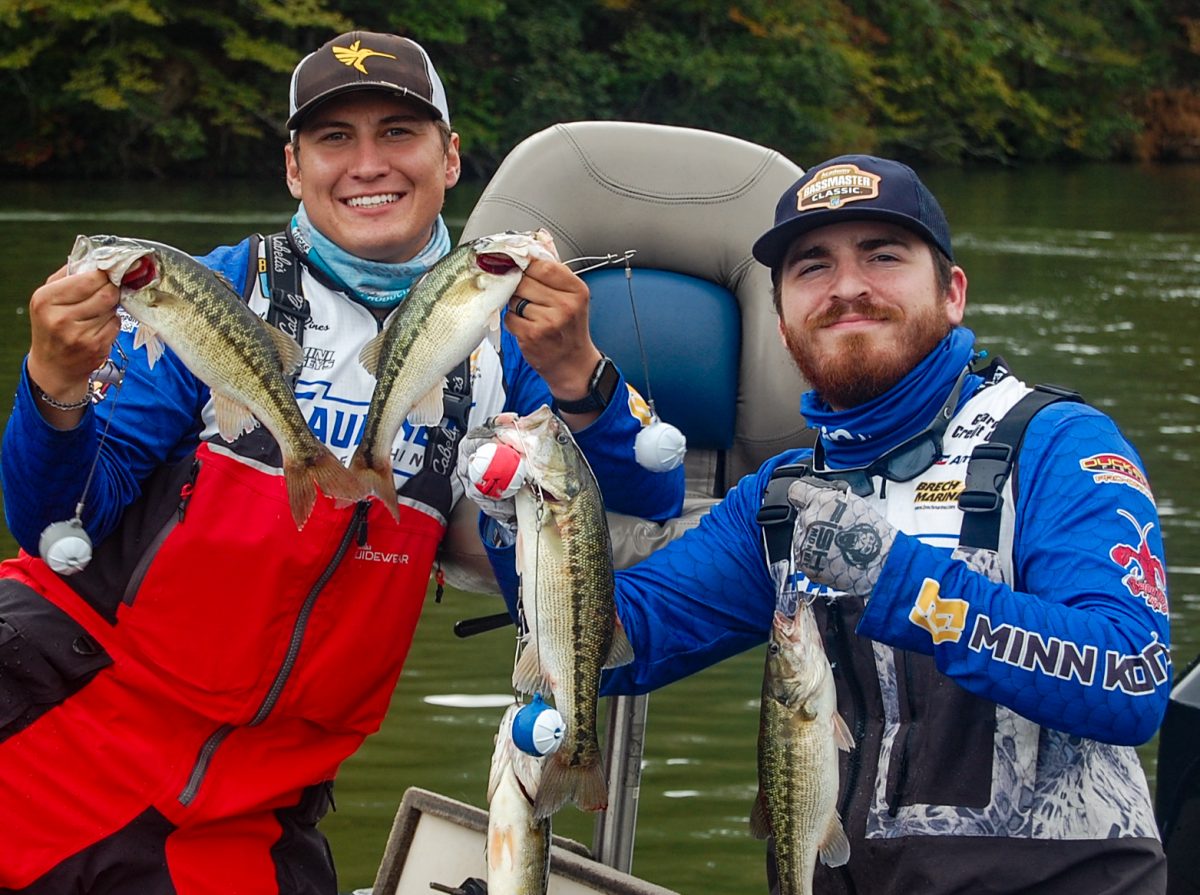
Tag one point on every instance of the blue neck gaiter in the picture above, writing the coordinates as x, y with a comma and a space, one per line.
375, 284
853, 438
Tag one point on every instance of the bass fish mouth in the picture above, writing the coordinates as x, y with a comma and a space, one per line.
140, 274
495, 262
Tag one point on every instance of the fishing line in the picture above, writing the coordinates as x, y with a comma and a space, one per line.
66, 546
659, 446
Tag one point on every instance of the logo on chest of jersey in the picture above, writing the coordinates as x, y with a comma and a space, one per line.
937, 494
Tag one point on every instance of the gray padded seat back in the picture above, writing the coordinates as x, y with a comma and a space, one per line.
691, 202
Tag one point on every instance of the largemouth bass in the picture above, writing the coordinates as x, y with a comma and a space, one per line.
518, 844
564, 558
244, 361
800, 732
442, 320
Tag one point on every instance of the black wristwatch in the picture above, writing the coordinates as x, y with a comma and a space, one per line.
600, 389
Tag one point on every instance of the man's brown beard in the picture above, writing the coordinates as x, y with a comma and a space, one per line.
850, 376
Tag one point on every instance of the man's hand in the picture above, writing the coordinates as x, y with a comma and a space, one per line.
498, 502
552, 330
73, 322
839, 540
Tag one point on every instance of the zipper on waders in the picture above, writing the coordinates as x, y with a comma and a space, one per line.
200, 768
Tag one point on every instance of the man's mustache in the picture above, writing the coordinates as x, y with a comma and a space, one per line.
857, 308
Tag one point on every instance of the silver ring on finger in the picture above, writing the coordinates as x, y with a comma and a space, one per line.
519, 310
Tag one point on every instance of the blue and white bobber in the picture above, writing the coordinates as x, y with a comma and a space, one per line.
497, 470
538, 728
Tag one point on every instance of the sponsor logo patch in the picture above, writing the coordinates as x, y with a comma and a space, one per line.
1117, 470
944, 619
355, 55
837, 185
937, 494
366, 554
638, 406
1146, 576
1138, 674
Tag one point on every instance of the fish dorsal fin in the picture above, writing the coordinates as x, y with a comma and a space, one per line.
369, 356
146, 335
841, 733
291, 355
622, 650
233, 417
760, 818
224, 281
428, 411
834, 848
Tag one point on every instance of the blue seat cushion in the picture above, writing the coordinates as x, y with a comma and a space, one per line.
691, 336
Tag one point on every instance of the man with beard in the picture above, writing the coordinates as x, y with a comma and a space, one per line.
994, 688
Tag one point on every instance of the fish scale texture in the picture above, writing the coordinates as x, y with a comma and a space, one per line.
790, 784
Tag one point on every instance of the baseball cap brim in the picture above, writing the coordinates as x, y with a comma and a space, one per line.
395, 90
772, 246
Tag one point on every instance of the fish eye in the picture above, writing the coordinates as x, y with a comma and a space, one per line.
773, 648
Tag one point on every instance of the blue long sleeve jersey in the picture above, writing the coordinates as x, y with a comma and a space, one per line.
155, 418
1079, 643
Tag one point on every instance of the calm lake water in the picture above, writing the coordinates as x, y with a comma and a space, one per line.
1083, 276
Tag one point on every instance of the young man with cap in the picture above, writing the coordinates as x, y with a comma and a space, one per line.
995, 669
172, 717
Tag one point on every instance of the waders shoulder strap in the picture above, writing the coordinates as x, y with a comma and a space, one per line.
279, 275
776, 516
991, 464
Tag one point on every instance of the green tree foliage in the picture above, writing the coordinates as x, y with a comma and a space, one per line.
97, 87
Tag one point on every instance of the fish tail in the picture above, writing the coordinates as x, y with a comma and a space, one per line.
335, 480
324, 471
562, 782
302, 493
376, 478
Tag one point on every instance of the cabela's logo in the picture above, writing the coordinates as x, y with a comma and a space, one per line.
837, 185
354, 55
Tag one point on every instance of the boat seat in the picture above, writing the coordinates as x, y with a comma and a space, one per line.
691, 340
691, 203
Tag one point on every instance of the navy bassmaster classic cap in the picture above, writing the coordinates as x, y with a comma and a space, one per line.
364, 60
849, 188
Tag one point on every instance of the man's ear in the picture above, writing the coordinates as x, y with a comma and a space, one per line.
453, 162
956, 296
291, 167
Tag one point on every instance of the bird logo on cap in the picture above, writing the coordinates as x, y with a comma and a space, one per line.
354, 57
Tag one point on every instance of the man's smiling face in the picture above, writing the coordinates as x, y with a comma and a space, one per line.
372, 171
860, 306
